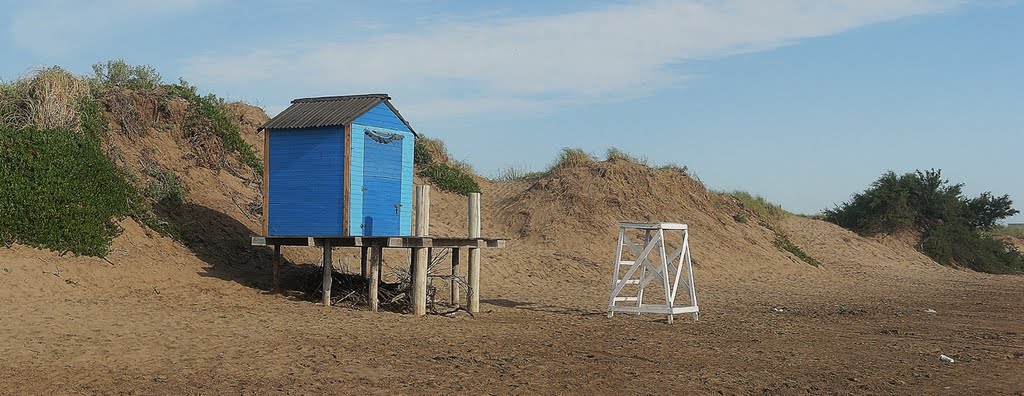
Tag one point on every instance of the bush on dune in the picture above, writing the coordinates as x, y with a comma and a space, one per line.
60, 191
955, 229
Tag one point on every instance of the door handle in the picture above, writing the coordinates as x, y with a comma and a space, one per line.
398, 208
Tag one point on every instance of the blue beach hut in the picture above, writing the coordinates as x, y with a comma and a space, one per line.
338, 166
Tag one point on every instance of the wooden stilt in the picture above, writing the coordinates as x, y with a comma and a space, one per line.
474, 254
419, 259
364, 271
419, 281
454, 284
328, 273
276, 261
374, 268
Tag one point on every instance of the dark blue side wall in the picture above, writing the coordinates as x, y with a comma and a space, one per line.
306, 182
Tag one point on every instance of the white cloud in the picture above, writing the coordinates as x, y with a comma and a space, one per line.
527, 63
55, 27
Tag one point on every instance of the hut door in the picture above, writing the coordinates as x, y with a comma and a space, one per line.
382, 182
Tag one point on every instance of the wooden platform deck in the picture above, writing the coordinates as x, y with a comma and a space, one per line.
420, 251
371, 253
383, 241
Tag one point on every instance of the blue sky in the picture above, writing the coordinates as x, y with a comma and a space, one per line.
802, 101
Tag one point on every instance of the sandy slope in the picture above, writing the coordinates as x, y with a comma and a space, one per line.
158, 317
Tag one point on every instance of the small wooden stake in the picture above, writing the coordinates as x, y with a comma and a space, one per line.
474, 254
328, 273
276, 261
454, 286
419, 255
375, 253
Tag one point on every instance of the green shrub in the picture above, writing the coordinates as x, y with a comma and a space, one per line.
93, 122
211, 110
461, 165
784, 244
164, 187
614, 154
571, 157
515, 173
952, 226
421, 155
161, 226
118, 73
1015, 232
431, 145
959, 243
60, 191
675, 168
452, 179
769, 212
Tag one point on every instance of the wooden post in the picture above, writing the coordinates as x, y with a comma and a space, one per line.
454, 284
474, 253
375, 259
276, 261
328, 273
422, 210
419, 260
364, 271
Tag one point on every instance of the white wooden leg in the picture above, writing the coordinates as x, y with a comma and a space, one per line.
689, 274
615, 271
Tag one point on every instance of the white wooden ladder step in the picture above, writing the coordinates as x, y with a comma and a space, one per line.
627, 263
626, 299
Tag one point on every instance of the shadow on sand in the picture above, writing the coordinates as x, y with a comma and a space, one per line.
224, 244
537, 307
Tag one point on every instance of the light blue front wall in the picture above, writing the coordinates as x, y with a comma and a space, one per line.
407, 168
306, 185
372, 165
380, 117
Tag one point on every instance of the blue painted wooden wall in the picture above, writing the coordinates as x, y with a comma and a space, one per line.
306, 182
375, 169
382, 183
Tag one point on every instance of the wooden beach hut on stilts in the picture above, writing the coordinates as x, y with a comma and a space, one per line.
338, 173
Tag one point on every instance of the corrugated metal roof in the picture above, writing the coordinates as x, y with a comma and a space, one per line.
328, 111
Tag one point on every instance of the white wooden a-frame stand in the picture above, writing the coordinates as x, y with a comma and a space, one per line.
667, 270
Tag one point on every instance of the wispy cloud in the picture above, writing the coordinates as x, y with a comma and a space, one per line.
504, 64
55, 27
